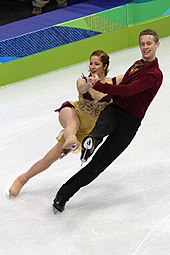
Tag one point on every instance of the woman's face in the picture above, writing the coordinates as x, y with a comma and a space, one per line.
96, 67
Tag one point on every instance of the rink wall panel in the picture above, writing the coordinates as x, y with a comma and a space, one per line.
111, 33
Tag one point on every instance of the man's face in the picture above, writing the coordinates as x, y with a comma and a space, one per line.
148, 47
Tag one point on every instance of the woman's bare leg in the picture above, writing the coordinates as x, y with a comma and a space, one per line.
70, 122
37, 168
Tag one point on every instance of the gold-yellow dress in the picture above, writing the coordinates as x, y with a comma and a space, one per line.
88, 108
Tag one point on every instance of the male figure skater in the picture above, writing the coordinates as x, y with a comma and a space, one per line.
119, 120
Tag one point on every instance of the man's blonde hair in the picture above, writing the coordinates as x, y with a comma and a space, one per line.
150, 32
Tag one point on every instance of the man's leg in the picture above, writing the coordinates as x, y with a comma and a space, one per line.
114, 145
105, 125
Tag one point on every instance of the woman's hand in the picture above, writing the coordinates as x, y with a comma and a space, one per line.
92, 80
83, 84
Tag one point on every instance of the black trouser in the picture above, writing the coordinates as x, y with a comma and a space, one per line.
121, 127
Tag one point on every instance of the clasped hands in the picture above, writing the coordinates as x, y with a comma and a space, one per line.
92, 80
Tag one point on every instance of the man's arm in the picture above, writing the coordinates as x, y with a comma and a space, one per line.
143, 83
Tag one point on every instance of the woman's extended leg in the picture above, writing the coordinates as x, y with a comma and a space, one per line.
70, 122
37, 168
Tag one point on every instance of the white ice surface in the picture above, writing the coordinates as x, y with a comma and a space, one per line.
125, 211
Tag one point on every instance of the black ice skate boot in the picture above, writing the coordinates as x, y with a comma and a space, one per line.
88, 147
89, 144
58, 204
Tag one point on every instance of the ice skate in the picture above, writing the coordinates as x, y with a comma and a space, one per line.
87, 148
71, 144
6, 195
58, 204
17, 185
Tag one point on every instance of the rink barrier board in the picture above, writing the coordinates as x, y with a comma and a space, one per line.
48, 37
34, 65
53, 59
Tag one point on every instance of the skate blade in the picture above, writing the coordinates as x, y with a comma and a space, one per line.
84, 157
7, 195
63, 154
66, 151
55, 210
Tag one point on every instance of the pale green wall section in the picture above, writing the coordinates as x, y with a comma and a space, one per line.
77, 52
146, 11
121, 16
161, 25
103, 22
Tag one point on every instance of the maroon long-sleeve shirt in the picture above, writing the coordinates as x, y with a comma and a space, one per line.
136, 91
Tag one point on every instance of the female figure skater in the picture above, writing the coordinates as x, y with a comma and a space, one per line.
77, 118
